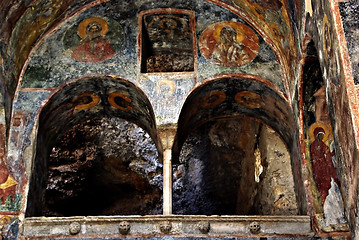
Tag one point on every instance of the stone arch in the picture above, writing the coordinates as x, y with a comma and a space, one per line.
251, 101
102, 106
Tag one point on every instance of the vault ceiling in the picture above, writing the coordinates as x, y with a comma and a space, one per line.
24, 22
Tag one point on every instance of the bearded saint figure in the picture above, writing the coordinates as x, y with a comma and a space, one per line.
229, 52
94, 47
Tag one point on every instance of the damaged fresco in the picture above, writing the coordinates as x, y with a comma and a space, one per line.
273, 18
229, 44
338, 86
100, 98
322, 159
37, 19
97, 40
9, 227
43, 71
323, 167
167, 43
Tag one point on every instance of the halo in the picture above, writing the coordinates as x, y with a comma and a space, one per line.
94, 101
239, 27
180, 24
249, 99
169, 83
81, 30
326, 128
5, 220
170, 20
111, 99
213, 98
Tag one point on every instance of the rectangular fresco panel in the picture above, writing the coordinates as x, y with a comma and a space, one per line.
167, 41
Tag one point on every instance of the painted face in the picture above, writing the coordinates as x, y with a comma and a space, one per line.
228, 34
320, 136
94, 30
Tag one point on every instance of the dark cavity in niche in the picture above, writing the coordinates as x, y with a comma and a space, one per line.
104, 167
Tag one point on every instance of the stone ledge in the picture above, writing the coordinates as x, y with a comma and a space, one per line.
44, 227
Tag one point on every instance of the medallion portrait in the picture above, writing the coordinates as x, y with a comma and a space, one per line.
94, 40
229, 44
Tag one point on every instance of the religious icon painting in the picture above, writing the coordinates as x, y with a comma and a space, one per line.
167, 40
94, 39
327, 38
330, 215
229, 44
321, 158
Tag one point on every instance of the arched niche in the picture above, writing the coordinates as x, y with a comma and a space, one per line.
241, 113
97, 152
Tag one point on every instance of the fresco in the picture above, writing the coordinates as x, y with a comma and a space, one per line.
330, 50
9, 227
10, 201
235, 95
35, 21
167, 94
167, 40
85, 100
329, 203
120, 101
52, 63
273, 18
249, 99
229, 44
7, 185
60, 57
265, 58
322, 159
93, 46
101, 39
340, 87
97, 41
19, 142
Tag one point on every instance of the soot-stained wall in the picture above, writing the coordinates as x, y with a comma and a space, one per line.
328, 34
102, 39
253, 45
101, 166
234, 166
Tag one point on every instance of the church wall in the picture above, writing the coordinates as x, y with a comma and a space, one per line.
55, 62
67, 53
325, 28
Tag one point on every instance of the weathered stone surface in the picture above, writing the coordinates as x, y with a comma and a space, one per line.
217, 171
276, 188
46, 45
349, 16
148, 227
103, 167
